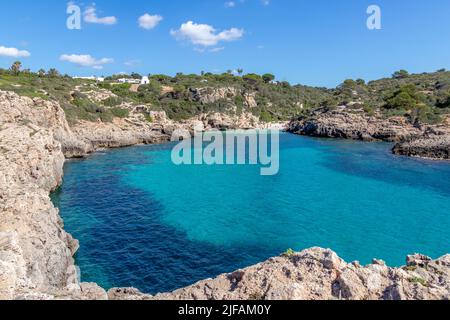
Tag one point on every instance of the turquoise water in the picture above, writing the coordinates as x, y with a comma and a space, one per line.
147, 223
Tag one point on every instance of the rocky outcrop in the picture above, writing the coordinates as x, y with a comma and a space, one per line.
222, 121
210, 94
357, 126
433, 147
119, 133
426, 141
250, 100
35, 252
318, 274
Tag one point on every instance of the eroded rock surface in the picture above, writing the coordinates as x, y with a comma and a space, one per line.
432, 147
317, 274
426, 141
35, 252
357, 126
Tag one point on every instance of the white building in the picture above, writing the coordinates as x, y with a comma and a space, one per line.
128, 80
93, 78
145, 80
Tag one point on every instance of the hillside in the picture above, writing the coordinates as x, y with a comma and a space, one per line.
421, 98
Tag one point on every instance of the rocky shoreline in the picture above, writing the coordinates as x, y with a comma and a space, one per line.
434, 147
36, 254
425, 141
317, 274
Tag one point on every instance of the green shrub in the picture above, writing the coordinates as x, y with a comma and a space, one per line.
112, 101
406, 97
289, 253
104, 85
265, 116
400, 74
424, 114
149, 118
444, 102
420, 281
252, 78
122, 90
119, 112
268, 77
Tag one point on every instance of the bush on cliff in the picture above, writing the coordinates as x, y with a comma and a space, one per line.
407, 97
119, 112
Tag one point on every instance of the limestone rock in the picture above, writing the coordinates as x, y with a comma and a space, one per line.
35, 251
319, 274
211, 95
357, 126
222, 121
127, 294
433, 147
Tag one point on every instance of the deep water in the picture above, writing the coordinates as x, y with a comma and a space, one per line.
146, 223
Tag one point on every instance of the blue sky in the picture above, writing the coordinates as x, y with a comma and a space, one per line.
320, 42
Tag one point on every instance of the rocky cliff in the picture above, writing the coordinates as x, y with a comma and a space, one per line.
36, 253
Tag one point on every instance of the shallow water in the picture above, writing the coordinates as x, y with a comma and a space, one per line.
146, 223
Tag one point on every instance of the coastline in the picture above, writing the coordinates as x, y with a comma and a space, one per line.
37, 254
420, 141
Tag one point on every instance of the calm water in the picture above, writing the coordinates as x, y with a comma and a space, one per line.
144, 222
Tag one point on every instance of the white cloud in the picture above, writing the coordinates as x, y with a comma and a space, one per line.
86, 60
90, 16
205, 35
13, 52
149, 22
265, 2
230, 4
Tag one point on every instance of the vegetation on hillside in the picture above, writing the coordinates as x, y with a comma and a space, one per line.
420, 97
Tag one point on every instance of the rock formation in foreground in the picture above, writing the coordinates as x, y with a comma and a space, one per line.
317, 274
36, 254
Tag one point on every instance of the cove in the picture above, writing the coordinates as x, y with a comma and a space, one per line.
146, 223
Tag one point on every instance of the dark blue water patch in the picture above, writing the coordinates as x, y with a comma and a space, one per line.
147, 223
123, 240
